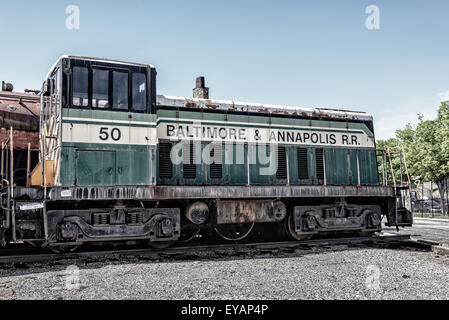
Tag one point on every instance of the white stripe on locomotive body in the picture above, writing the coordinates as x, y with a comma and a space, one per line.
125, 122
120, 134
353, 138
145, 133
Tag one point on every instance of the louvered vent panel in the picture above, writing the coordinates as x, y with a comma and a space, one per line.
319, 153
188, 160
216, 168
303, 164
165, 164
282, 163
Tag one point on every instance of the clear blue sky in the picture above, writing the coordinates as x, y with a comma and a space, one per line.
304, 53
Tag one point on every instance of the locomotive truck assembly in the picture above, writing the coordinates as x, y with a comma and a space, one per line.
119, 163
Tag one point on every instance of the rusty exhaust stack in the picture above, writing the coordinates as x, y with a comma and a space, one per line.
7, 86
201, 92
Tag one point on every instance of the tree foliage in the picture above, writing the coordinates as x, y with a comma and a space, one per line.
426, 148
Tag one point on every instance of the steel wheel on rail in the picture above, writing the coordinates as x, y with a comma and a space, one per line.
188, 234
366, 233
161, 244
36, 244
290, 229
61, 249
234, 232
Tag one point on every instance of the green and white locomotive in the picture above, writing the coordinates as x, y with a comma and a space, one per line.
120, 163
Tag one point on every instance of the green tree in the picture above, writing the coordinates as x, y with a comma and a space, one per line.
427, 148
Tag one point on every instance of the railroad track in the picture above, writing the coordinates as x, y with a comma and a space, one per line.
385, 240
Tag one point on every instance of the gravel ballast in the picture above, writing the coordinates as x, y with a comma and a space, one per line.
326, 273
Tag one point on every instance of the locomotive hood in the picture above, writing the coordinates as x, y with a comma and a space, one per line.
324, 113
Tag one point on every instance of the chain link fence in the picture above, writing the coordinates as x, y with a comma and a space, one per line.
427, 201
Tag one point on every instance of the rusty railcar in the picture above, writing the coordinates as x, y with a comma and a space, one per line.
19, 131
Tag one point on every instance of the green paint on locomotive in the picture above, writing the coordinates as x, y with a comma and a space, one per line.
341, 165
100, 164
107, 166
341, 169
90, 164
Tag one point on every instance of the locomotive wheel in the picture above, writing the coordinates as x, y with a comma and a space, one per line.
63, 249
365, 233
234, 232
161, 244
188, 234
36, 244
290, 228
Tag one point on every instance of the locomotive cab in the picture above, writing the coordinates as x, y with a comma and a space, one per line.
98, 142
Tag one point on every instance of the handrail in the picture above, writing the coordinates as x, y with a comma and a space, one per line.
8, 210
391, 168
11, 166
1, 197
406, 169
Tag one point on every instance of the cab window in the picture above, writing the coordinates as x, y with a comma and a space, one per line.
139, 91
100, 88
106, 86
80, 95
120, 90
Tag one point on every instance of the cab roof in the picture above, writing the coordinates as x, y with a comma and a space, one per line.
96, 60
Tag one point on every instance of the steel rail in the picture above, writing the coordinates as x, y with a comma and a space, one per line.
383, 240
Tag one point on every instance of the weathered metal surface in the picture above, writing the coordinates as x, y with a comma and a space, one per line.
241, 211
7, 86
101, 193
150, 193
28, 223
342, 167
231, 192
180, 102
197, 212
32, 193
21, 138
399, 213
116, 166
77, 225
20, 111
325, 218
201, 92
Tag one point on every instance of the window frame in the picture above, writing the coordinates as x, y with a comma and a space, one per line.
131, 88
91, 88
303, 168
88, 88
111, 89
129, 69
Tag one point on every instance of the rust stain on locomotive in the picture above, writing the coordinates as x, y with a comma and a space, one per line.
191, 105
21, 112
